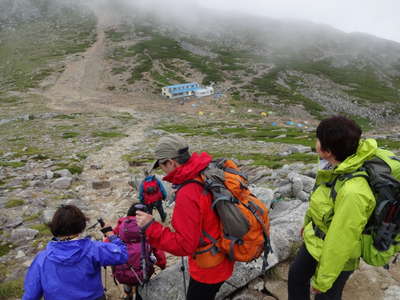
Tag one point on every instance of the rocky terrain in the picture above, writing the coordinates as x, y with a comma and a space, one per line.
79, 120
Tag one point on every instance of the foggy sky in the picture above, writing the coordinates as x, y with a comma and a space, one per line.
377, 17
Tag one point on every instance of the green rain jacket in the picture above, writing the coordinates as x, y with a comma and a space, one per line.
342, 220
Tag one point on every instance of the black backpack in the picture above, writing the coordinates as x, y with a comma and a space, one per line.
381, 236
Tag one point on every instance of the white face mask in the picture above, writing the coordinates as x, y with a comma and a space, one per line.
324, 164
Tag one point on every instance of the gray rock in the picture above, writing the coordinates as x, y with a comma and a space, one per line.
27, 263
38, 183
98, 185
62, 183
47, 215
77, 202
155, 132
312, 172
257, 284
303, 196
285, 153
259, 175
299, 149
285, 231
280, 136
243, 274
392, 293
264, 194
49, 174
168, 284
283, 207
284, 191
96, 166
297, 186
63, 173
20, 254
23, 234
38, 202
13, 222
306, 181
3, 219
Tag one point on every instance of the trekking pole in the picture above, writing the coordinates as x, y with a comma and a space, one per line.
143, 254
105, 279
102, 224
184, 277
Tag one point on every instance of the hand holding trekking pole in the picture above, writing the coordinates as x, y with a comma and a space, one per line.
105, 229
315, 291
143, 219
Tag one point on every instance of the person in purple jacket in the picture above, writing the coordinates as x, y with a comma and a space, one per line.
70, 266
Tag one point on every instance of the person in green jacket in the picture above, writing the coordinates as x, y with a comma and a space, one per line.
333, 225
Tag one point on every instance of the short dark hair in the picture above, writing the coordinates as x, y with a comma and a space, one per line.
67, 220
339, 135
132, 210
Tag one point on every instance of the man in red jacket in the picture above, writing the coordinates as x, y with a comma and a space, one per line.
194, 221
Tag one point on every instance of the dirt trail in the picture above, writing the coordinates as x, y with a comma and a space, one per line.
82, 88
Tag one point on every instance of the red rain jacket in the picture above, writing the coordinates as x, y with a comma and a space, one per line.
188, 222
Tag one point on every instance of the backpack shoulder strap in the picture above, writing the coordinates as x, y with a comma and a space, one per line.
344, 177
197, 180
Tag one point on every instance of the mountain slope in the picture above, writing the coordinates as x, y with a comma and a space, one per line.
277, 63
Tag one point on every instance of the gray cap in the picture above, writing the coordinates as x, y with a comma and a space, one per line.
169, 147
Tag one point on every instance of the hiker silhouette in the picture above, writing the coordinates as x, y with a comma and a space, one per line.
151, 193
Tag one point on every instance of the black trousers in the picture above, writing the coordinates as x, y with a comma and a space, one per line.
300, 272
202, 291
158, 205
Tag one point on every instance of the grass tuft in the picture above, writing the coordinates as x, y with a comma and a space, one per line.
14, 203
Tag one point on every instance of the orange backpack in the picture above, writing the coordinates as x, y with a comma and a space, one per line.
243, 217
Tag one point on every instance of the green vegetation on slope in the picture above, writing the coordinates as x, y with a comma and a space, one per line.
27, 48
364, 82
164, 49
256, 132
268, 84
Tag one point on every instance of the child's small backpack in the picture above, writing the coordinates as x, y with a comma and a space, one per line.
139, 251
151, 191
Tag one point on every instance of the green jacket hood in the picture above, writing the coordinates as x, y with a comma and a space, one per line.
366, 150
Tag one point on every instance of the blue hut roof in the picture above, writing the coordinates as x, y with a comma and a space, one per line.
182, 85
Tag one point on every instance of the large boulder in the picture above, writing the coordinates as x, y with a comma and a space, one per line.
307, 183
392, 293
14, 221
24, 234
264, 194
168, 284
286, 222
61, 173
62, 183
101, 184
